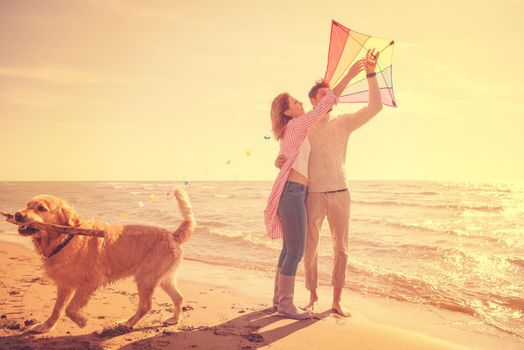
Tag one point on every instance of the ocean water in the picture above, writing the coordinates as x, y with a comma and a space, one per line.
455, 246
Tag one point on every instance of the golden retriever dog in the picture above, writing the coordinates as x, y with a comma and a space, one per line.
79, 265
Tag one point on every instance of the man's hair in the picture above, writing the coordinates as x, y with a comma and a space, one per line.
319, 84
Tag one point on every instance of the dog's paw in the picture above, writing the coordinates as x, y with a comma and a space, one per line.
41, 328
126, 323
172, 320
81, 322
79, 319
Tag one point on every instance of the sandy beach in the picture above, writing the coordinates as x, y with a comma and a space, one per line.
218, 314
111, 105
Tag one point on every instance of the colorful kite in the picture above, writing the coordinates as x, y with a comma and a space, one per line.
347, 46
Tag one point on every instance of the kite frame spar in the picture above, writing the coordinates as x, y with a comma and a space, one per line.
338, 46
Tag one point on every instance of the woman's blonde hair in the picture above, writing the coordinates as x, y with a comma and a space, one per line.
278, 119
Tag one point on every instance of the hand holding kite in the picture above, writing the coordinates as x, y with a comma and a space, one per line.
371, 61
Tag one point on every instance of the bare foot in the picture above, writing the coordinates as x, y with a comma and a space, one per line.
311, 306
340, 310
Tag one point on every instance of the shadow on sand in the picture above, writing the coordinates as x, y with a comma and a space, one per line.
243, 332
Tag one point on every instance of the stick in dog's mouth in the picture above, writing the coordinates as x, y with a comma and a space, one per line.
24, 229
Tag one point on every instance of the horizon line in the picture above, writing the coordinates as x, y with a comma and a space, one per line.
266, 180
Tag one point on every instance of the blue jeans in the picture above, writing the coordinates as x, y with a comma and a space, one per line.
293, 216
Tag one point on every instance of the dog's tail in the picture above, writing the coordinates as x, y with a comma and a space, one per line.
187, 226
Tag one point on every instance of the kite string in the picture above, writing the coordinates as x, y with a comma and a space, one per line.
247, 153
123, 216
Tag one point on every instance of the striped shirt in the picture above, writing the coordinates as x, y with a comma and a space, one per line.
294, 135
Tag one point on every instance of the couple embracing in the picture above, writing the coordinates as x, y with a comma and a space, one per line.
311, 185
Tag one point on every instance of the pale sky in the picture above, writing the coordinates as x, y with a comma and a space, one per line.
171, 90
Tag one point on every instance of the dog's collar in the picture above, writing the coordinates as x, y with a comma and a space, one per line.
61, 245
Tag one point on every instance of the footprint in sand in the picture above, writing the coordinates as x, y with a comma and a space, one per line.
341, 321
186, 308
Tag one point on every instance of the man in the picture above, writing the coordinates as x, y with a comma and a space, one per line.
328, 194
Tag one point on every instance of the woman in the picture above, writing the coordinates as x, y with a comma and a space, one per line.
285, 214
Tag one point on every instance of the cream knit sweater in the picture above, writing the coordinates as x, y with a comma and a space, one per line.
329, 140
